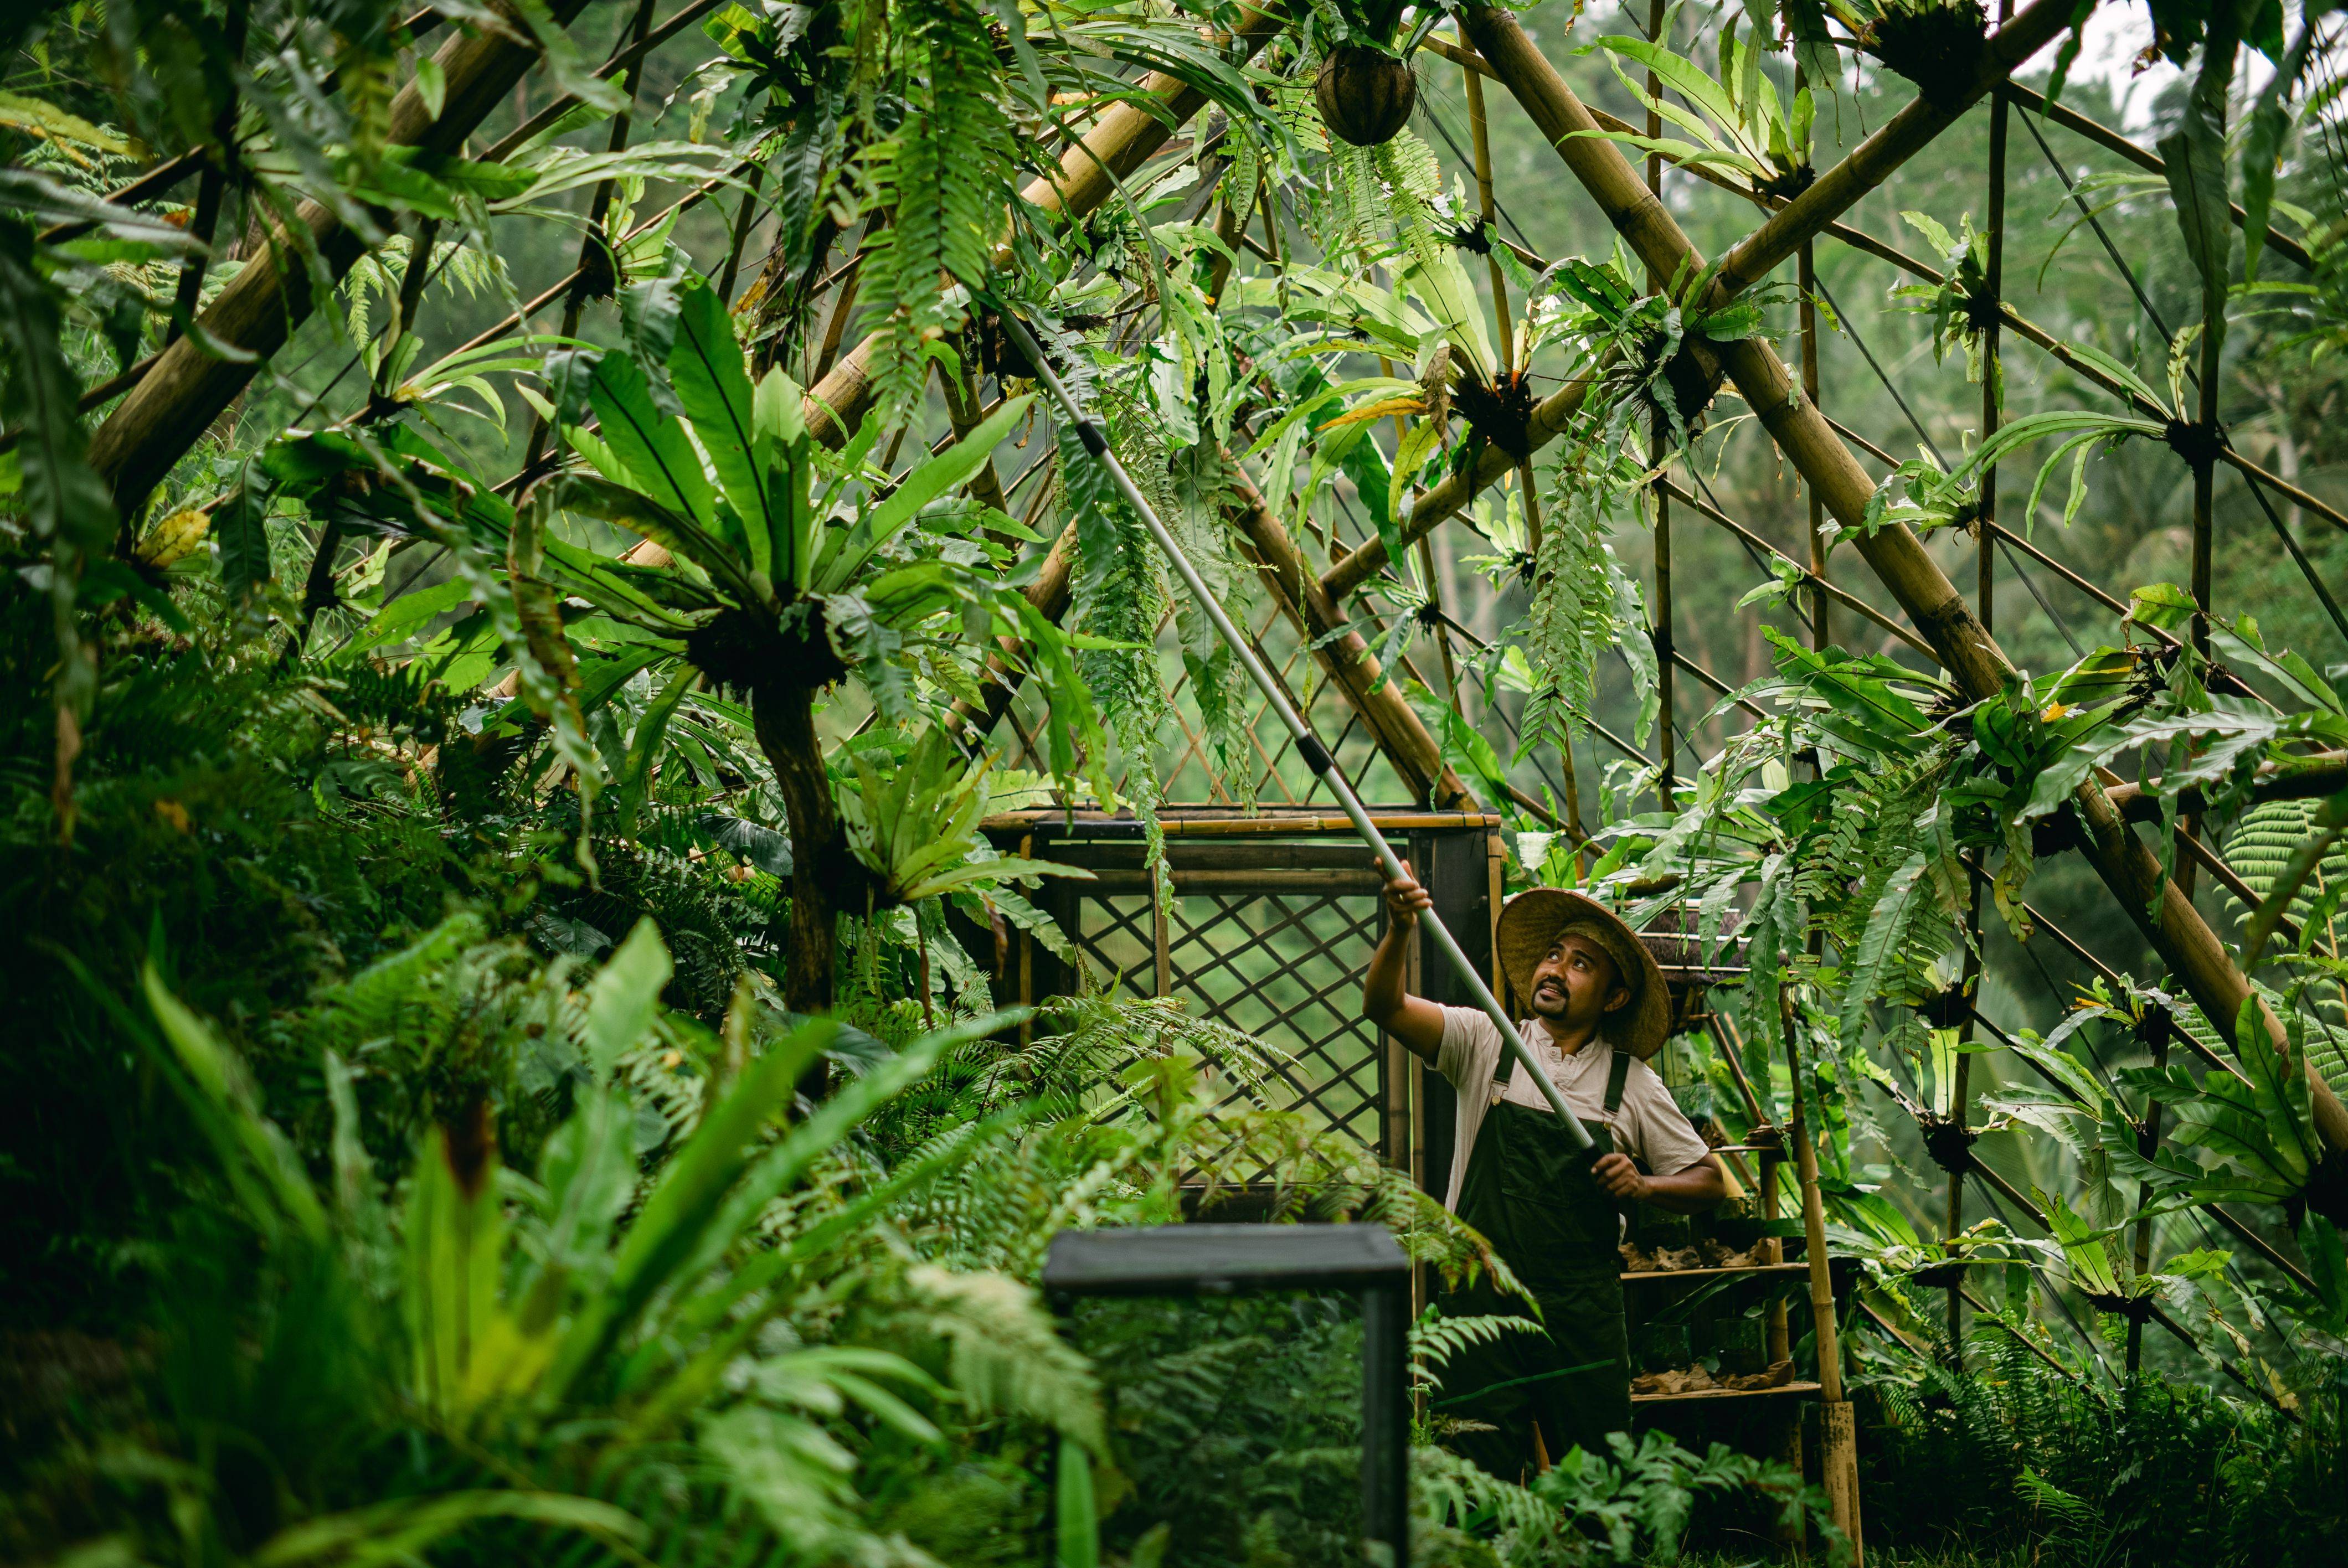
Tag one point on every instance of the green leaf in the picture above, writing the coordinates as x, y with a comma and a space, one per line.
241, 539
405, 614
693, 546
1878, 946
454, 1239
706, 367
2194, 159
621, 1003
636, 776
260, 1163
675, 1222
1074, 1515
934, 477
2083, 1247
398, 1531
659, 458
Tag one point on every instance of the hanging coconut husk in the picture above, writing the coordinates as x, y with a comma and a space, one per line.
1365, 94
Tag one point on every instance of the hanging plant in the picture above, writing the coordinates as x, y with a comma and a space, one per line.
1498, 411
1364, 89
1935, 44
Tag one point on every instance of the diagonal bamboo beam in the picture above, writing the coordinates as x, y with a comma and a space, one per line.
1120, 141
1377, 701
2185, 942
1817, 582
2301, 778
177, 401
1874, 160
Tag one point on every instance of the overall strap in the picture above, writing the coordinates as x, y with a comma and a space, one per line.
1616, 1076
1505, 1067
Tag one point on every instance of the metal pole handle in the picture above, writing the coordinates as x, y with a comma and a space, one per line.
1308, 745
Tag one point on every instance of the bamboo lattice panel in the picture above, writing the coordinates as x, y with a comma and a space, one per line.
1286, 966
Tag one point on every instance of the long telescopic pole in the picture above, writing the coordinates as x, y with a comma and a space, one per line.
1308, 745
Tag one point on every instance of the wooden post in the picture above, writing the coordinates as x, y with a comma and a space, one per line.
2147, 1142
1839, 1440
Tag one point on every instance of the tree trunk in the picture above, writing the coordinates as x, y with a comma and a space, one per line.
784, 713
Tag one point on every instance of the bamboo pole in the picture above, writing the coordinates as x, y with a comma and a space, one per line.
1666, 675
1124, 138
1984, 605
175, 403
1839, 1436
2301, 778
1391, 723
592, 241
1871, 162
2176, 931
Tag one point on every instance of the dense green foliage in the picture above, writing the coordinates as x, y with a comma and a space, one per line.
521, 584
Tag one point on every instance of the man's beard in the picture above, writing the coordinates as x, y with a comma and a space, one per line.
1551, 1004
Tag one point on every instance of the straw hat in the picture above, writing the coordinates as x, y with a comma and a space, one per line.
1530, 923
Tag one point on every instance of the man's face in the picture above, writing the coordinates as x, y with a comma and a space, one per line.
1576, 985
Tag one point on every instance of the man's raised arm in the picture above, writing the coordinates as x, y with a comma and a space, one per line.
1414, 1020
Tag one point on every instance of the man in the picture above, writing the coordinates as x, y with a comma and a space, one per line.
1600, 1009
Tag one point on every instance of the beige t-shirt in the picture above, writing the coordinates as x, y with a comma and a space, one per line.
1649, 1125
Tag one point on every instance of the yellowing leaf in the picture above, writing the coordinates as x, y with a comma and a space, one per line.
1378, 409
175, 537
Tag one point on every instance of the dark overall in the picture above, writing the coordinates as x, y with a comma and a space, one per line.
1532, 1194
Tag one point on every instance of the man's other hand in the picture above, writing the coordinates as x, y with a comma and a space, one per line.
1405, 899
1620, 1177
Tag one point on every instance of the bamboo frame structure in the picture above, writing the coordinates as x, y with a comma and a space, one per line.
2178, 933
173, 404
176, 394
1120, 141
